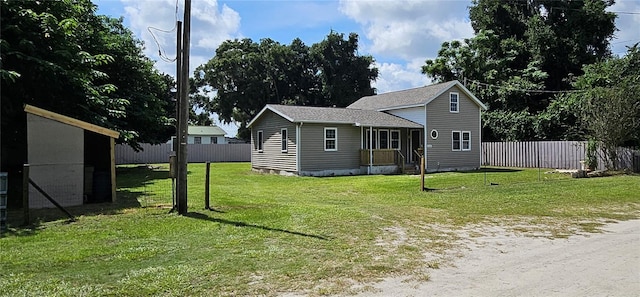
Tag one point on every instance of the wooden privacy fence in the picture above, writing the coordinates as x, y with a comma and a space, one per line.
547, 154
197, 153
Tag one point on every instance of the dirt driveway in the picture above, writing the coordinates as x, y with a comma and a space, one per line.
507, 264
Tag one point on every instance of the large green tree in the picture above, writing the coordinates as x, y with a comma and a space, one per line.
61, 56
244, 76
522, 54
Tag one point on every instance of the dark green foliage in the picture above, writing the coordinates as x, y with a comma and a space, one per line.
244, 76
521, 51
61, 56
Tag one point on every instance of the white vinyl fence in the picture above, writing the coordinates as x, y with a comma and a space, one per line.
547, 154
196, 153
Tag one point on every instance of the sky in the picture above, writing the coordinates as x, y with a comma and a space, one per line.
399, 34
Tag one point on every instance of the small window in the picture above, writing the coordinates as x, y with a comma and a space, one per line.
455, 140
260, 141
383, 135
466, 140
395, 139
214, 140
330, 139
434, 134
197, 140
453, 100
283, 140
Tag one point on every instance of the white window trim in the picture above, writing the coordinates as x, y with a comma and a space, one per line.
462, 140
459, 140
457, 102
260, 141
335, 139
431, 134
284, 139
399, 139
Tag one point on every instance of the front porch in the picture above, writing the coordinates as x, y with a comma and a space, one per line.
385, 161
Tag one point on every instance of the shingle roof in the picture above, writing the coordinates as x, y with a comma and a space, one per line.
206, 130
409, 98
329, 115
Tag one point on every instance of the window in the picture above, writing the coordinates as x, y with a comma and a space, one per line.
383, 135
461, 140
453, 100
214, 140
466, 140
455, 140
367, 143
434, 134
330, 139
395, 139
283, 140
260, 141
197, 140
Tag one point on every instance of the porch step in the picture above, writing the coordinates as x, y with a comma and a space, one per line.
410, 169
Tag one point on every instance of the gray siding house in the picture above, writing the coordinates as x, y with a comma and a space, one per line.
377, 134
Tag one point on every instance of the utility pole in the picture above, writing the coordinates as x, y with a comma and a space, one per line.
183, 115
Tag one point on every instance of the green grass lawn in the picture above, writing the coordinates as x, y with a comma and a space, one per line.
273, 234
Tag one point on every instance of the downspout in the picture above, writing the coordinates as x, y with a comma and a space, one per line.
298, 147
370, 149
426, 127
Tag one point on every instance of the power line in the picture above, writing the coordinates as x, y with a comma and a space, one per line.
161, 51
513, 89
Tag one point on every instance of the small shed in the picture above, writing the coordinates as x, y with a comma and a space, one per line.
73, 161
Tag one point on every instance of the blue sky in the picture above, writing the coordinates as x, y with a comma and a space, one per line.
399, 34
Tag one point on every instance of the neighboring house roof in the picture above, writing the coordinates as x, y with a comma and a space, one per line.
331, 115
206, 131
70, 121
410, 98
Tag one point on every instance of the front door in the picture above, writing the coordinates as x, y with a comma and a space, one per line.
415, 139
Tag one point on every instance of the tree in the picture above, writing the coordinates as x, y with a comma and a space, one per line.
610, 103
61, 56
244, 76
522, 52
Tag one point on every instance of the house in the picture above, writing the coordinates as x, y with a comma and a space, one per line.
71, 160
377, 134
204, 135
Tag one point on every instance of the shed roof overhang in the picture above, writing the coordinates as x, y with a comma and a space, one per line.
70, 121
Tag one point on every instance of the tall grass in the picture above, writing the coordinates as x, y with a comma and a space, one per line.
271, 234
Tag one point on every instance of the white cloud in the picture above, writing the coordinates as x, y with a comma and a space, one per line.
409, 28
394, 76
210, 26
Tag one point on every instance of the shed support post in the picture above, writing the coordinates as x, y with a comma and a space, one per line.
25, 194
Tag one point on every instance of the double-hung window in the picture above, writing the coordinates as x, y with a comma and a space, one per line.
330, 139
383, 135
197, 140
454, 102
395, 139
455, 140
214, 140
283, 140
466, 140
260, 141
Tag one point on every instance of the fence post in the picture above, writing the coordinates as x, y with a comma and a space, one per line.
25, 194
206, 187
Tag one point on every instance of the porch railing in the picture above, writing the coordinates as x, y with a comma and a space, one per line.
380, 157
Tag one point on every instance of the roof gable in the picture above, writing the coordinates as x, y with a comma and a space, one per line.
330, 115
206, 130
411, 98
70, 121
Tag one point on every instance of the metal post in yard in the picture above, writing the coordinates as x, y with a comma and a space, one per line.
206, 187
25, 194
